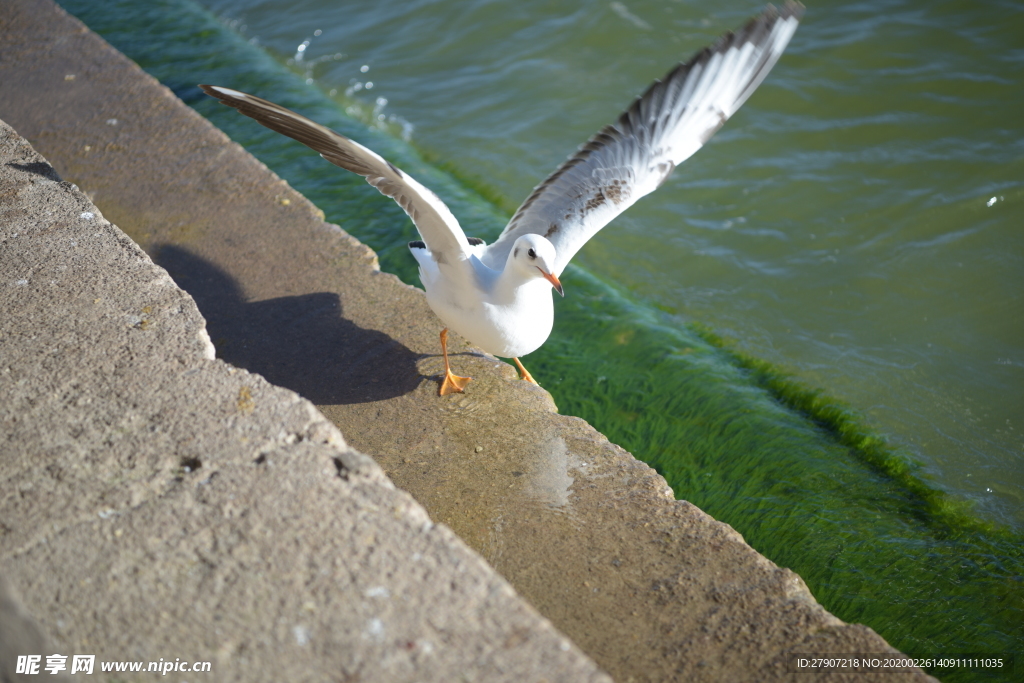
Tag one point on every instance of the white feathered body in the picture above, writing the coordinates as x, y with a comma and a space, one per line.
501, 313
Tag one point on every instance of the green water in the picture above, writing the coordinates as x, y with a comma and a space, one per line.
841, 227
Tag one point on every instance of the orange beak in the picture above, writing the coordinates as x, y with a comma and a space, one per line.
553, 280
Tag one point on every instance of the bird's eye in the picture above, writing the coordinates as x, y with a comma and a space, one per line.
532, 253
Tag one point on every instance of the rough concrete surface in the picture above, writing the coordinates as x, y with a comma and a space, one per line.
158, 503
652, 588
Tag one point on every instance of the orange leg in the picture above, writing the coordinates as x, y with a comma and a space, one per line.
452, 384
524, 373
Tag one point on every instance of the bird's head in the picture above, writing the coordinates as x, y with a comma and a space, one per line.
534, 256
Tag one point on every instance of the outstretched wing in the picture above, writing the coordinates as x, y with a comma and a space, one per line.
662, 128
433, 220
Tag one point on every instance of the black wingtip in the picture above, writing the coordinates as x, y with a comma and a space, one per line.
792, 8
211, 90
417, 244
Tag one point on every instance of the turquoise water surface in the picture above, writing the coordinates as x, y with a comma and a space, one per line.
856, 227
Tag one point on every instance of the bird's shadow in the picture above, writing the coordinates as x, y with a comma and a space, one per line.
301, 342
39, 168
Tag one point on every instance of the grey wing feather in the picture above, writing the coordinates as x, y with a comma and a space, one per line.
433, 220
660, 130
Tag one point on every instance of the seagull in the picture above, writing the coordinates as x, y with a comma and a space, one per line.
498, 296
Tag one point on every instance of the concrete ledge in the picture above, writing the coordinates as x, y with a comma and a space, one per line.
652, 588
159, 503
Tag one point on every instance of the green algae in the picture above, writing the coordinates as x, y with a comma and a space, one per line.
796, 472
946, 513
